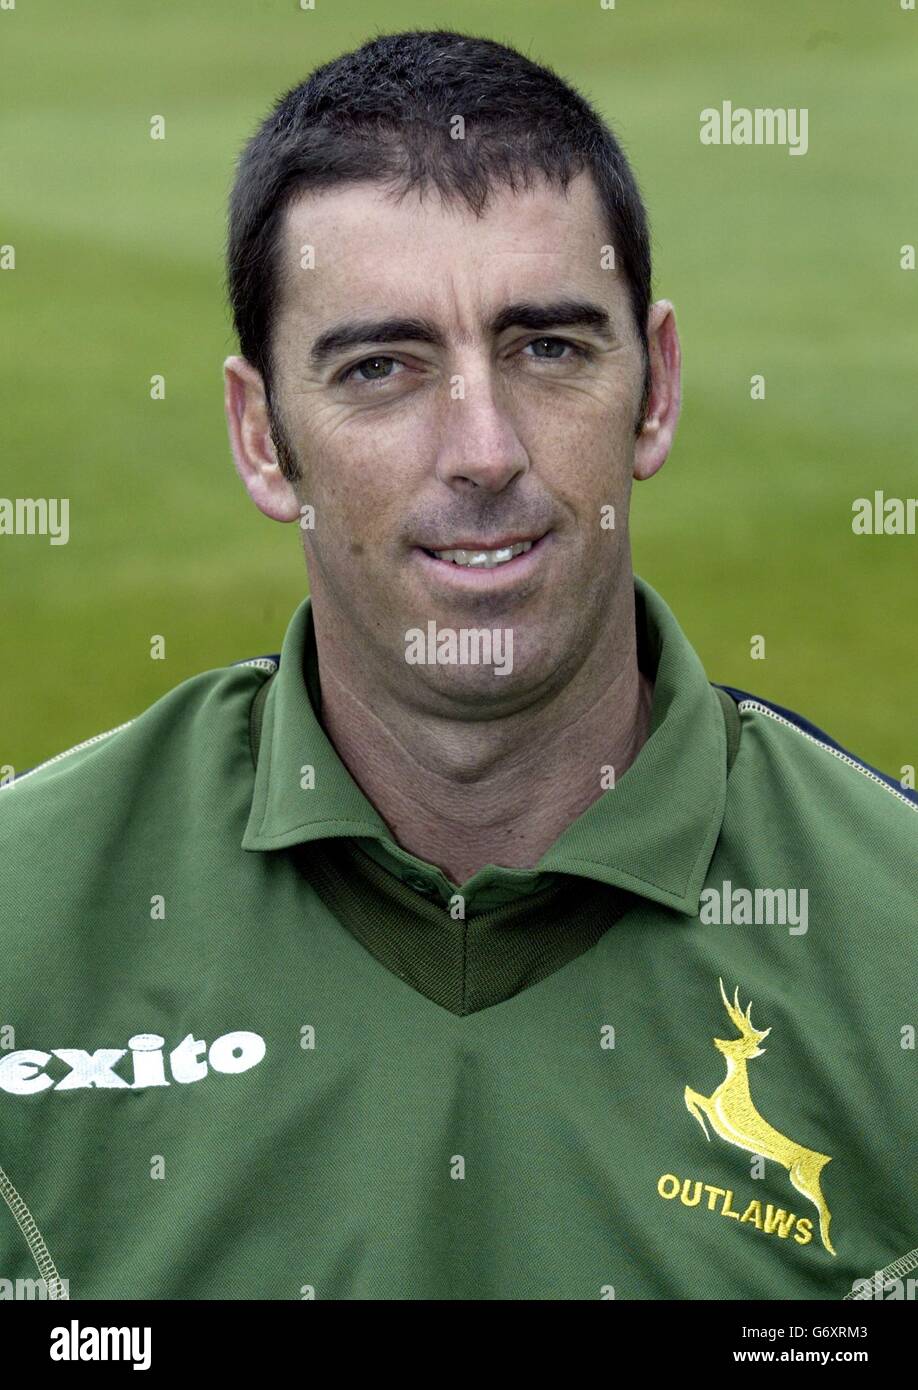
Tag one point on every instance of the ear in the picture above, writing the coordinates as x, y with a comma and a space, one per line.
656, 435
253, 448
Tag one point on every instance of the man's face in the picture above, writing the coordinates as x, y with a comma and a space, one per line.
493, 421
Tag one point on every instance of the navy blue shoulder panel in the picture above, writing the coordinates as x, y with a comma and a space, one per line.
821, 737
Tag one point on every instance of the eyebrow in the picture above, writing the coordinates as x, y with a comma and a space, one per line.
559, 313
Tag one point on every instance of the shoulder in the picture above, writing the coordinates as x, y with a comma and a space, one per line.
789, 770
201, 720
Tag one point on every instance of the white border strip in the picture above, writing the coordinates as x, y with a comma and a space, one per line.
843, 757
264, 663
57, 1289
87, 743
903, 1265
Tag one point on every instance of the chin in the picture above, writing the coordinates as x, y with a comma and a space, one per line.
511, 679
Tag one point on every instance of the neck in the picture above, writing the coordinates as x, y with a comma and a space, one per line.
460, 793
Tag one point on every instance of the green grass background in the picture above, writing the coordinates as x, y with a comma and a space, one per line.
788, 266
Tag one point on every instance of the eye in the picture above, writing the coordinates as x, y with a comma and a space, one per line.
377, 369
574, 350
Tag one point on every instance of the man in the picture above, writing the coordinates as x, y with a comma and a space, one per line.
433, 958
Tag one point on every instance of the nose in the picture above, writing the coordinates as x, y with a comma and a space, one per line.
480, 447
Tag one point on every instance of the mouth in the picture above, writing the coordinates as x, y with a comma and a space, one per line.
472, 555
476, 564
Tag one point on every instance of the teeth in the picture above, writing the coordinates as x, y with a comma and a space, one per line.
484, 559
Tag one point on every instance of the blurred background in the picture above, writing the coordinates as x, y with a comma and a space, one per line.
780, 265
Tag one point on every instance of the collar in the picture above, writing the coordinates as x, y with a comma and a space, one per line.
653, 833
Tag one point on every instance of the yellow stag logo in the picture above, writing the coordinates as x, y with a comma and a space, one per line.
733, 1115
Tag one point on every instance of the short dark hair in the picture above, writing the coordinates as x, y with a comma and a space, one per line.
383, 113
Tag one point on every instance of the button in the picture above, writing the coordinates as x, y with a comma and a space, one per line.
420, 885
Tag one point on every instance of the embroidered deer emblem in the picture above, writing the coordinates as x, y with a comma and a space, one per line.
733, 1115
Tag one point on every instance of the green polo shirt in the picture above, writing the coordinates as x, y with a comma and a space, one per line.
252, 1048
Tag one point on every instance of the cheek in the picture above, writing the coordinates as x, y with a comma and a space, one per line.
586, 459
357, 493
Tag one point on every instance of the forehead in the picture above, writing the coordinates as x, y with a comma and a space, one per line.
370, 249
